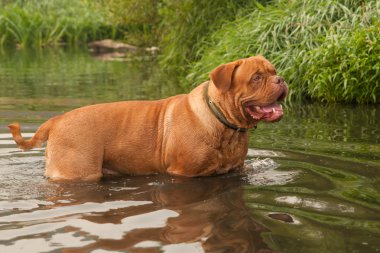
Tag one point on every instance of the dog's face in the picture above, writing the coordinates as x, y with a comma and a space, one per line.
252, 87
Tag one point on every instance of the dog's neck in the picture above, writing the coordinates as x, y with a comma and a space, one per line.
217, 112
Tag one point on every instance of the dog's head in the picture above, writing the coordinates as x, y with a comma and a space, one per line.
252, 89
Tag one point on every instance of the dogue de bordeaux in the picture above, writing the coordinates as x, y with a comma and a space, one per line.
196, 134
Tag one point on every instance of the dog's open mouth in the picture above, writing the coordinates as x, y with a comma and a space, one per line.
271, 113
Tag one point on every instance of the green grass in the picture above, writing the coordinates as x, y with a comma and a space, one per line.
39, 23
346, 68
326, 50
186, 26
42, 23
138, 20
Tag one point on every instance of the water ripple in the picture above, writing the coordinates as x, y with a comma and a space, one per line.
154, 219
70, 210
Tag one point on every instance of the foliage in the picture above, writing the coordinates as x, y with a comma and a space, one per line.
288, 32
41, 23
186, 26
326, 50
138, 19
346, 68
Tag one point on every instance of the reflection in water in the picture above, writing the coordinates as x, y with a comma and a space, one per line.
57, 79
157, 212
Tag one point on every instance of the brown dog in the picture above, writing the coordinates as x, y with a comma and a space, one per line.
196, 134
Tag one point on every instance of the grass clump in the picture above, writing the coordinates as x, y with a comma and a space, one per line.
313, 44
186, 25
346, 68
41, 23
326, 49
138, 20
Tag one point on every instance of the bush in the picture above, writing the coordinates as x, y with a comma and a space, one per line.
326, 49
137, 19
186, 26
44, 22
287, 33
346, 67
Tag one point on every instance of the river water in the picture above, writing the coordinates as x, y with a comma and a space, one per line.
312, 182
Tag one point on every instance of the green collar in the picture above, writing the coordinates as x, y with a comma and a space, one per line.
218, 113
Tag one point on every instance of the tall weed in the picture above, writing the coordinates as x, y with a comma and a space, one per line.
346, 68
186, 26
44, 22
287, 32
138, 20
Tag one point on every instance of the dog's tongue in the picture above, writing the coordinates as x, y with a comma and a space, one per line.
270, 108
271, 113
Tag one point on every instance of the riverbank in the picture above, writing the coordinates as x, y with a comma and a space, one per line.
327, 51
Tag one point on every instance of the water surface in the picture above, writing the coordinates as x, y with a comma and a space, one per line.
312, 182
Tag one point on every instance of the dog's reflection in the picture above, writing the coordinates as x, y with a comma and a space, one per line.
211, 215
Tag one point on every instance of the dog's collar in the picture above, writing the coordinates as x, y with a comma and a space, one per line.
218, 113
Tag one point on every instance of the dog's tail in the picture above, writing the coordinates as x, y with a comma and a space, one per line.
39, 137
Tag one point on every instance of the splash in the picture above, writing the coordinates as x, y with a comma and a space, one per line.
265, 172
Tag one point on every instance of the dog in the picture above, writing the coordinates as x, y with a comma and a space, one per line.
201, 133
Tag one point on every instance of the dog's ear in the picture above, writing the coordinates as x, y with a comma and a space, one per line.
222, 75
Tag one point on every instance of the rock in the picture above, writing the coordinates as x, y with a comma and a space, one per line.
108, 45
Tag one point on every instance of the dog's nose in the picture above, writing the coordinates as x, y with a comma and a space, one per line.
280, 80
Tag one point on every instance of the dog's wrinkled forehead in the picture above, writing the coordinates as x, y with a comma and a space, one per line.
255, 65
240, 72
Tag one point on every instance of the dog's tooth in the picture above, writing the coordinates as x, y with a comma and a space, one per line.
273, 110
281, 106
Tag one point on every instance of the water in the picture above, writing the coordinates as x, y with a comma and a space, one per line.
311, 184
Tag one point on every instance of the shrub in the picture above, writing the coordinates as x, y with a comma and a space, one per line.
44, 22
346, 68
286, 32
186, 25
138, 20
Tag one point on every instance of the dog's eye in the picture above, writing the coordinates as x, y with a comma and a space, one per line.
256, 77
